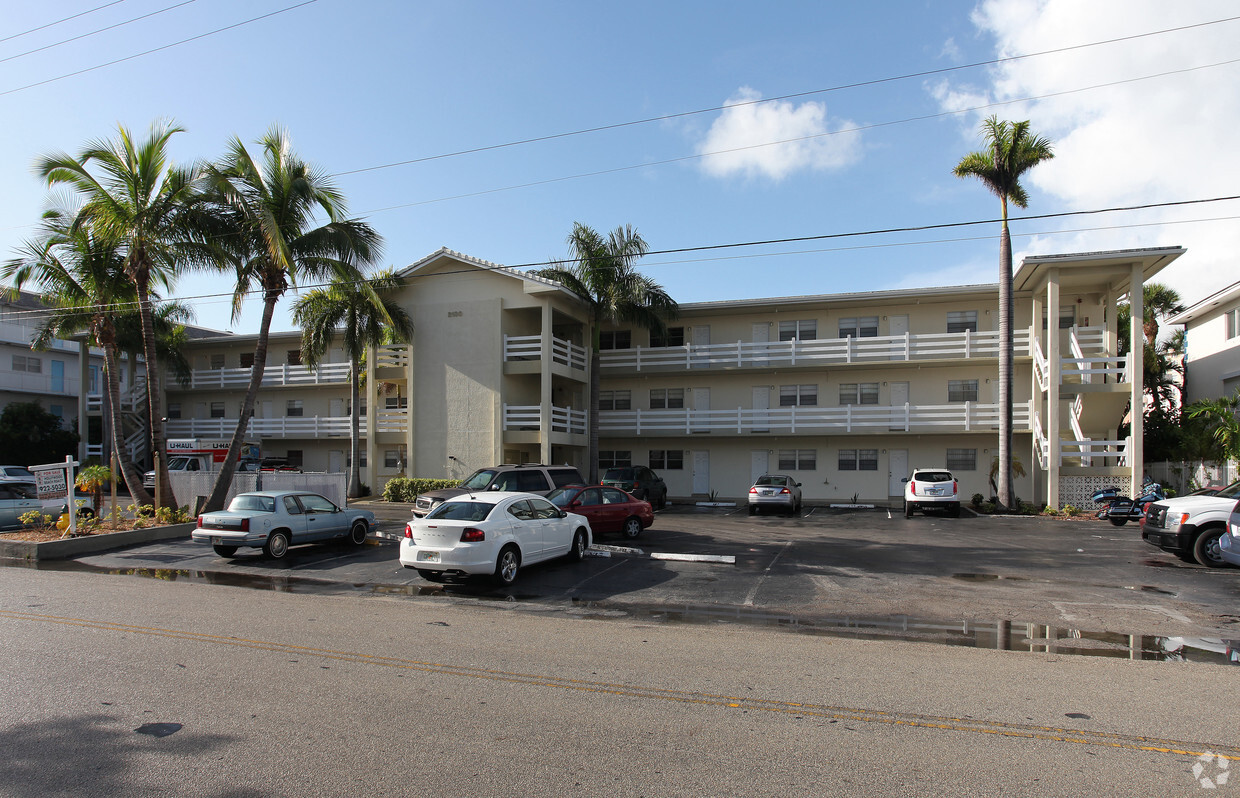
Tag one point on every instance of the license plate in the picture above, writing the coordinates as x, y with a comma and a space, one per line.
217, 541
428, 556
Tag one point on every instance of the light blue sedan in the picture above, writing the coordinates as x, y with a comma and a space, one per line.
275, 520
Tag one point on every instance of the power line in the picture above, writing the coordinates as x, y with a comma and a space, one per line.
158, 49
66, 19
47, 312
795, 95
94, 32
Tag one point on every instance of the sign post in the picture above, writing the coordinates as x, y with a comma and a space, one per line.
55, 480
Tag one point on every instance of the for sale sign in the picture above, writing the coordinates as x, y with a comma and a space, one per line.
52, 484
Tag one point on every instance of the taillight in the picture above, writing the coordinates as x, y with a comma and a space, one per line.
409, 531
472, 535
955, 486
200, 522
753, 490
785, 490
245, 525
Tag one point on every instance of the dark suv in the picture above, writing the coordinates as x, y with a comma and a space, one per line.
528, 478
639, 481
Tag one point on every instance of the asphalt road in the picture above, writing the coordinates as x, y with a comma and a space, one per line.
140, 686
1020, 583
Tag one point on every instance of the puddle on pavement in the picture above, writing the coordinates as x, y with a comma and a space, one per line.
997, 635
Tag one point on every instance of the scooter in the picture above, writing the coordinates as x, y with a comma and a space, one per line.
1120, 509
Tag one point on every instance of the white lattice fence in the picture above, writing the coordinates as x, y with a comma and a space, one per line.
1077, 491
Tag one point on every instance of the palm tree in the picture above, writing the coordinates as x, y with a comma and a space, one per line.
600, 271
1222, 417
142, 204
1011, 150
267, 208
363, 314
82, 279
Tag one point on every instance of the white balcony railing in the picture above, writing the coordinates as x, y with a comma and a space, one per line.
956, 417
274, 375
529, 418
529, 347
819, 352
286, 427
1087, 452
1042, 447
392, 355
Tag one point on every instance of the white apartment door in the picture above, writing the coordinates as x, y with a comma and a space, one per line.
701, 472
761, 336
267, 410
701, 410
897, 326
759, 464
897, 465
761, 404
701, 342
899, 398
335, 461
337, 408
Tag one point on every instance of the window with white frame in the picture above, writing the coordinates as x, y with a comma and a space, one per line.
799, 330
614, 458
217, 360
394, 458
1233, 323
798, 396
294, 408
798, 459
174, 410
217, 410
667, 398
1067, 317
614, 400
961, 321
293, 357
396, 402
962, 390
859, 393
867, 459
673, 336
28, 364
247, 360
667, 460
859, 327
962, 459
615, 339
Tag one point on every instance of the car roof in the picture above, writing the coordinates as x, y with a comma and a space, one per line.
494, 496
278, 493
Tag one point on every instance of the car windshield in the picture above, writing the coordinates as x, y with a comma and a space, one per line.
462, 511
619, 474
560, 497
933, 476
1232, 491
178, 464
769, 480
479, 480
260, 504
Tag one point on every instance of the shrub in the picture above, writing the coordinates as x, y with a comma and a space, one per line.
406, 489
977, 500
1071, 510
36, 518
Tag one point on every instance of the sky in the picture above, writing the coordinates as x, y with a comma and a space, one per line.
460, 124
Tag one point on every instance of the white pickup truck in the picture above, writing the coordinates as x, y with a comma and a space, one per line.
1190, 526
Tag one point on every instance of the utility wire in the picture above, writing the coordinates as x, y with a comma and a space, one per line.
795, 95
47, 312
158, 49
94, 32
66, 19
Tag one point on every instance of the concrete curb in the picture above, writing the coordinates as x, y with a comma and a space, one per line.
90, 544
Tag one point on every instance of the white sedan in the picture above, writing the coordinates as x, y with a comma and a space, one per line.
494, 533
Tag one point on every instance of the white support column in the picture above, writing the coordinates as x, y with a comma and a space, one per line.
372, 420
1136, 373
1055, 367
411, 414
83, 387
1112, 328
545, 403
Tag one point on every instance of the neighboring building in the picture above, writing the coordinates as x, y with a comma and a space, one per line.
845, 392
1212, 345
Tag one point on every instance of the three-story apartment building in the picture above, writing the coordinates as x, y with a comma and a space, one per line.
846, 392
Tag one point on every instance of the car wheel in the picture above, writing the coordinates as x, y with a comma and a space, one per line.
644, 495
908, 510
1206, 548
357, 534
578, 551
1117, 520
277, 545
225, 551
632, 527
954, 511
85, 513
507, 565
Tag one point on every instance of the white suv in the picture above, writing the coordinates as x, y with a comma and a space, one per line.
527, 478
931, 488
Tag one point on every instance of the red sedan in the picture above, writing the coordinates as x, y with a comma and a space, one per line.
608, 509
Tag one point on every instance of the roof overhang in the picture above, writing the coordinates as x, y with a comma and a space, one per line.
1112, 269
1208, 305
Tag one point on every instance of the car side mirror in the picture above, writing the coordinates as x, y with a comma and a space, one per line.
798, 484
904, 480
562, 513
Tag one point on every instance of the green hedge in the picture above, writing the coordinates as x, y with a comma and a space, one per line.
404, 489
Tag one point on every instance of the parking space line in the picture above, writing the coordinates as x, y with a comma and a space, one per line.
754, 590
730, 559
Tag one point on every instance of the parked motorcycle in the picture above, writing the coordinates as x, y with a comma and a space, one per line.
1120, 509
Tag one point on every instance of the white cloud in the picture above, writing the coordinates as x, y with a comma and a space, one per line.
775, 139
1165, 139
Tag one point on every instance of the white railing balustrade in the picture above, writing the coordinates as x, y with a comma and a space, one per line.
529, 418
963, 417
285, 427
279, 374
816, 352
529, 347
1094, 369
391, 355
1094, 452
1041, 368
1042, 445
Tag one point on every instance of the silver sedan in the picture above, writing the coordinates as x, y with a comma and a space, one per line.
779, 491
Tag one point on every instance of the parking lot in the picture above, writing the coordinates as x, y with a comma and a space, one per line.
872, 569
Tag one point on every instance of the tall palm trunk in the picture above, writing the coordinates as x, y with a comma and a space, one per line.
355, 437
228, 469
153, 382
131, 475
1005, 364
